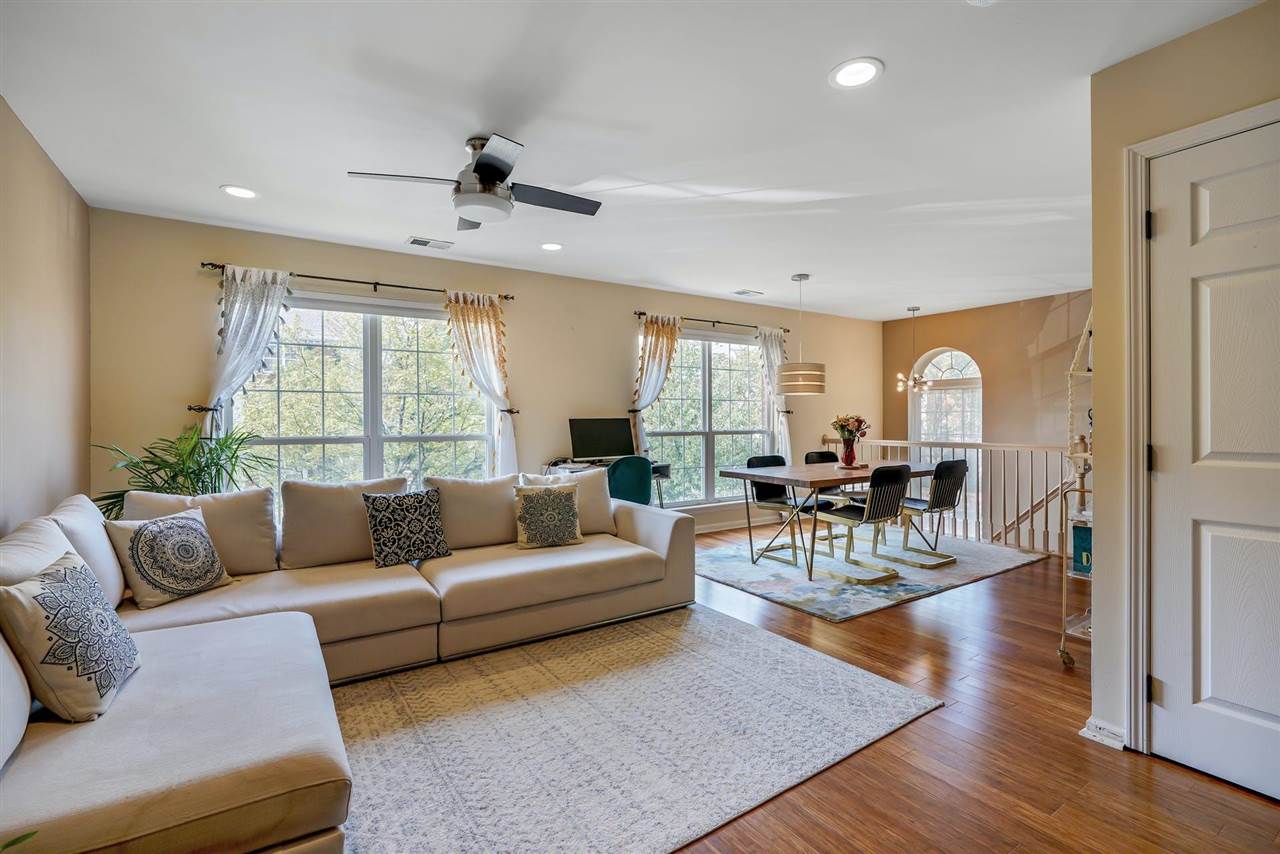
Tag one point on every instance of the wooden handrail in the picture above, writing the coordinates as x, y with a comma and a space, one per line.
975, 446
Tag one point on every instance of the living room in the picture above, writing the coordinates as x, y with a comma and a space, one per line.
705, 494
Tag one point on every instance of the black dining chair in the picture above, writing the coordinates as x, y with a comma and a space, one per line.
771, 497
944, 496
883, 504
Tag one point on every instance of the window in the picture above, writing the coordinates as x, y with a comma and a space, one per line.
710, 415
351, 396
951, 409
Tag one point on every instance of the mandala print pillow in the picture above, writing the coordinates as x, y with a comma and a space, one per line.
405, 527
167, 558
73, 648
547, 516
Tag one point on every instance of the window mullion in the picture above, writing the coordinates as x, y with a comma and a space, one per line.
708, 437
373, 454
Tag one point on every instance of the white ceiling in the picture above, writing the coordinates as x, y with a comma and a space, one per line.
723, 158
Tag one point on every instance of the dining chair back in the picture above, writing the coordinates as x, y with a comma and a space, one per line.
631, 479
824, 457
885, 492
948, 482
765, 493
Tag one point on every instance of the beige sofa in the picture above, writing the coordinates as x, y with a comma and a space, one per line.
225, 739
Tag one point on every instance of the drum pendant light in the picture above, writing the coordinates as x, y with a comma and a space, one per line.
801, 377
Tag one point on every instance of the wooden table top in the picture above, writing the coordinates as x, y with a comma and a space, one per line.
817, 475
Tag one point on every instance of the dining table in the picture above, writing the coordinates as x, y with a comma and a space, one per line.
811, 478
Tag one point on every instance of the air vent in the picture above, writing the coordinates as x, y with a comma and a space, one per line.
747, 292
430, 243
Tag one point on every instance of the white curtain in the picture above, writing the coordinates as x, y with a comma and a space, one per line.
252, 304
479, 341
773, 355
659, 334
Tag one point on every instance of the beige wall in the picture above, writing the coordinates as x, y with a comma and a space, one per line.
1223, 68
44, 329
571, 342
1023, 350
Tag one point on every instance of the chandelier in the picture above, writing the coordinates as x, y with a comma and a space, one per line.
915, 382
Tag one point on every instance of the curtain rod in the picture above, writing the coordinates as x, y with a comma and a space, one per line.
215, 265
712, 322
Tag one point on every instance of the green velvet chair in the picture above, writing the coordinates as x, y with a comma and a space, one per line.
631, 479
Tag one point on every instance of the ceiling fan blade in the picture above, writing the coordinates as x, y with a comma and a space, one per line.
420, 179
467, 224
497, 159
544, 198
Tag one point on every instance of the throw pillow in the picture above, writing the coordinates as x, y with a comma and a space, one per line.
167, 558
477, 512
241, 524
325, 523
547, 516
405, 527
73, 648
595, 507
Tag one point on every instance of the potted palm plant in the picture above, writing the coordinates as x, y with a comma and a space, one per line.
189, 464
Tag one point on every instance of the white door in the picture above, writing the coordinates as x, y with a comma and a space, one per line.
1215, 428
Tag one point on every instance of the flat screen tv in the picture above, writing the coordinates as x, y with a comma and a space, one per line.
600, 438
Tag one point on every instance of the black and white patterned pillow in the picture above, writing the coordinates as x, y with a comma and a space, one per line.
547, 516
73, 648
405, 527
167, 558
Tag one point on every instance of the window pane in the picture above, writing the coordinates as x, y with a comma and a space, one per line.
736, 386
343, 329
400, 459
343, 462
685, 454
300, 413
343, 369
300, 368
399, 372
399, 333
680, 406
733, 450
437, 414
400, 414
344, 414
255, 411
302, 326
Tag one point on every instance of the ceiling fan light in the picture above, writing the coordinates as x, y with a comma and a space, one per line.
802, 378
482, 207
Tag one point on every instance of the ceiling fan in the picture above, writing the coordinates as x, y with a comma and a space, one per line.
481, 192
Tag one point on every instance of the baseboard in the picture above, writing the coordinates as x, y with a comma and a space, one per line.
708, 527
1104, 733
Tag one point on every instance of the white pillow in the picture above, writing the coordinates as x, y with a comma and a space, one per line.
477, 512
595, 508
81, 522
167, 558
242, 524
74, 650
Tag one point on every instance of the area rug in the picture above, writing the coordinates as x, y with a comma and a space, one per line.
833, 597
636, 737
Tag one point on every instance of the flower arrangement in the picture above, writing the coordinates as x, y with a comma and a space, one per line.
851, 427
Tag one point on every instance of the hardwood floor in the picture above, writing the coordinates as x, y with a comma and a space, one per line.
1001, 767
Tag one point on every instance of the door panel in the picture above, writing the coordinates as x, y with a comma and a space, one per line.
1215, 425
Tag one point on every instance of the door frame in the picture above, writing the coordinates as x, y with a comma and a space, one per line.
1136, 531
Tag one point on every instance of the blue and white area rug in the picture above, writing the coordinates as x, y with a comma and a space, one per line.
832, 596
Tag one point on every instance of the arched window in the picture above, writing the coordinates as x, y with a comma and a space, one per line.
950, 410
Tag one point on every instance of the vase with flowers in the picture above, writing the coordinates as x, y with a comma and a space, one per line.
852, 429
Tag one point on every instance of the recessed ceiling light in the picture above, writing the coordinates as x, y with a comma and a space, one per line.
855, 72
747, 292
552, 247
238, 192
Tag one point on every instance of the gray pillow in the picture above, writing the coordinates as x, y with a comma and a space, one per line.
405, 527
477, 512
167, 558
73, 648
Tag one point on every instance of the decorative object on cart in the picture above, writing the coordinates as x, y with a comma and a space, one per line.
189, 464
915, 382
801, 377
852, 430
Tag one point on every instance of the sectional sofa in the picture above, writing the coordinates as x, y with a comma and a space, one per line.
225, 739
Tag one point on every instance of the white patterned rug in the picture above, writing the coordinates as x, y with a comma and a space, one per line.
832, 596
635, 737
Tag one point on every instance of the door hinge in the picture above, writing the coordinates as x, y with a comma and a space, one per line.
1149, 225
1151, 457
